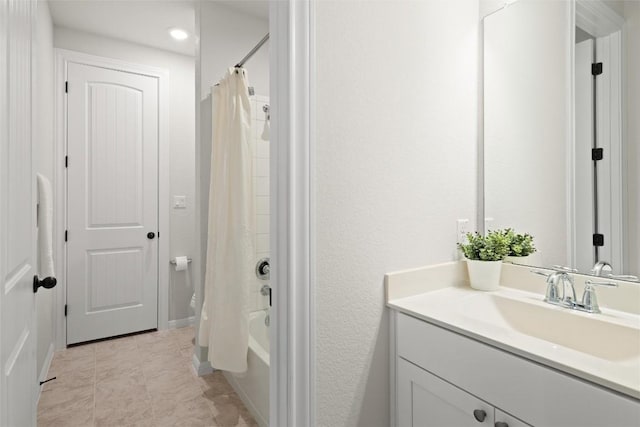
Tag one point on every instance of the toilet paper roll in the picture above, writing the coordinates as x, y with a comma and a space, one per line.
181, 263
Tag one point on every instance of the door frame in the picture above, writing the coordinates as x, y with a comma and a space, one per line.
599, 20
63, 57
292, 78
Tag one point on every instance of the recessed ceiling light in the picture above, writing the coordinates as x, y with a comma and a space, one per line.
178, 33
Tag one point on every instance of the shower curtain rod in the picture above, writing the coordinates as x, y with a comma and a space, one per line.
252, 52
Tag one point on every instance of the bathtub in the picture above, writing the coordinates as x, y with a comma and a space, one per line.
253, 385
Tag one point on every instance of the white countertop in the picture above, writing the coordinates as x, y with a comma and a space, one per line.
504, 319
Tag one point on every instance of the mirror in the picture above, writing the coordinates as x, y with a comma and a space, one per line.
548, 113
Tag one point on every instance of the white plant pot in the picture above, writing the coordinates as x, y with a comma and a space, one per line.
484, 275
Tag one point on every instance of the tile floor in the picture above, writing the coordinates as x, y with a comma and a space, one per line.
141, 380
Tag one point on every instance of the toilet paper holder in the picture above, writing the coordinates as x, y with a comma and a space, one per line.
173, 261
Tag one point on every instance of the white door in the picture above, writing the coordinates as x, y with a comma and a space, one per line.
425, 400
112, 202
18, 379
584, 200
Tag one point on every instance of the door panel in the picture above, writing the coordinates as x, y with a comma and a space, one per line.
112, 202
425, 400
114, 152
18, 379
584, 207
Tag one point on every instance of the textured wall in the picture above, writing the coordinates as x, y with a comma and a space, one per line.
395, 167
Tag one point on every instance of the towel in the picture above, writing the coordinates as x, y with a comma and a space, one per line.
45, 228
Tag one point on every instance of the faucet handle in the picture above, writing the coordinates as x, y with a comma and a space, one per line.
541, 273
589, 299
563, 269
551, 294
591, 283
627, 277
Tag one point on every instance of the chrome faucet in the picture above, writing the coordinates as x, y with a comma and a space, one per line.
562, 277
603, 266
600, 267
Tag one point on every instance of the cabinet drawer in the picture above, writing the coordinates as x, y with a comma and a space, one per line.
529, 391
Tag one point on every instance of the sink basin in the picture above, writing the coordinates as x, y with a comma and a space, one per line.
590, 334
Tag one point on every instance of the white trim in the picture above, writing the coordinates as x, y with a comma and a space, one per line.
571, 148
231, 379
181, 323
291, 25
63, 57
45, 370
596, 18
393, 368
609, 136
200, 368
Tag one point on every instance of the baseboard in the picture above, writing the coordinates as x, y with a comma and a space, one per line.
45, 369
201, 368
181, 323
245, 399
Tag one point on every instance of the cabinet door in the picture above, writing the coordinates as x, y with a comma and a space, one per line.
505, 420
425, 400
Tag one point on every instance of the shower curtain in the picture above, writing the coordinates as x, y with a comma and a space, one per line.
224, 324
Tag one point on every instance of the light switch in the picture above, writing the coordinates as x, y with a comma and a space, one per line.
179, 202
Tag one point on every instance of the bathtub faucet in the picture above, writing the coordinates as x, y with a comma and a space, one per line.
266, 291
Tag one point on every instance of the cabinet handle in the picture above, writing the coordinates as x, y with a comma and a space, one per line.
479, 415
501, 424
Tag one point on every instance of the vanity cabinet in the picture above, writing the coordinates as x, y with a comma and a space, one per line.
424, 400
440, 376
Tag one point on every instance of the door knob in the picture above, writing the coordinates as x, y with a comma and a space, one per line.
479, 415
151, 235
47, 283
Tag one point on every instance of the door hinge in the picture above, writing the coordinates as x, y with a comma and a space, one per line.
596, 69
65, 310
597, 154
598, 240
66, 235
66, 87
66, 161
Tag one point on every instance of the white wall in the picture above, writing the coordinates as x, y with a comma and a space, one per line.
181, 138
395, 167
43, 148
487, 7
226, 36
527, 122
632, 97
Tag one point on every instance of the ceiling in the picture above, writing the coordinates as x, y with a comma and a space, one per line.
140, 21
143, 21
257, 8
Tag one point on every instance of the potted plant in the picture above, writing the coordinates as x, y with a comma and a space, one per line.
521, 247
484, 256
